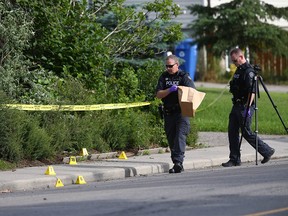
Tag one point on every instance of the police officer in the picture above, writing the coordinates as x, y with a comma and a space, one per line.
176, 126
242, 111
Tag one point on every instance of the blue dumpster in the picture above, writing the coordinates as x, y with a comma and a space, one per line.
188, 53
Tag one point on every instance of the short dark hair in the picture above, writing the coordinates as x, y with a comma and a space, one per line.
237, 51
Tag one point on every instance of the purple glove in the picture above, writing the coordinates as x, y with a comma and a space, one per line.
173, 88
245, 111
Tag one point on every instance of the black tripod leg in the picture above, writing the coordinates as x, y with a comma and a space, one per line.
256, 118
275, 107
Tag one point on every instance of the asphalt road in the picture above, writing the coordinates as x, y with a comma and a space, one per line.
246, 190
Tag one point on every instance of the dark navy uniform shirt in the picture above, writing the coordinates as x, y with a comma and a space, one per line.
241, 84
166, 80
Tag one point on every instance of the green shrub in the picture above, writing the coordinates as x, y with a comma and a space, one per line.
56, 125
37, 142
82, 130
193, 135
4, 165
139, 131
131, 129
114, 131
42, 135
11, 131
36, 68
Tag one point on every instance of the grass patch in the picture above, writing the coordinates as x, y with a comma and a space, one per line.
4, 165
146, 152
213, 113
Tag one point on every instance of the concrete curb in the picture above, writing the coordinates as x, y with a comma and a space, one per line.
68, 174
31, 178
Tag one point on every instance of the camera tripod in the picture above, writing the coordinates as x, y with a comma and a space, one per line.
255, 84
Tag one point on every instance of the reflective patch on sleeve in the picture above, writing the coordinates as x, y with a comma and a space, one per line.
251, 75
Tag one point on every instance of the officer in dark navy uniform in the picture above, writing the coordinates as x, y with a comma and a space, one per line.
242, 111
176, 126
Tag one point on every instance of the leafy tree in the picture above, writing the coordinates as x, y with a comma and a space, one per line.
71, 52
15, 31
240, 23
91, 43
19, 78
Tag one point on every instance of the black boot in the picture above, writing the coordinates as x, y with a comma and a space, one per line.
177, 168
268, 157
231, 163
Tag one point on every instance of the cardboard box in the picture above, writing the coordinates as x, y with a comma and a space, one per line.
189, 100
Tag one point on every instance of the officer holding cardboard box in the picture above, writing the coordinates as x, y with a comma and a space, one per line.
176, 126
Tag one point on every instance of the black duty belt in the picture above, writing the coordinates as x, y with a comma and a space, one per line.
172, 109
238, 101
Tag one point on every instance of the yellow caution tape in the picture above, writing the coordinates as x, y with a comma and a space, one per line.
29, 107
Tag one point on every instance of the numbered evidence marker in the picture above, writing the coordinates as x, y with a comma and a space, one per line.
123, 155
80, 180
50, 171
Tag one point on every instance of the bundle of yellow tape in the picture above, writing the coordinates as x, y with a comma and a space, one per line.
29, 107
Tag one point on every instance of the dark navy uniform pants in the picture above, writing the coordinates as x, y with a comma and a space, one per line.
177, 128
236, 121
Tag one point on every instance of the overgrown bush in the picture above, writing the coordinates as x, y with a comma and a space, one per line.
11, 134
128, 129
21, 137
75, 57
36, 142
56, 125
193, 135
10, 131
42, 135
